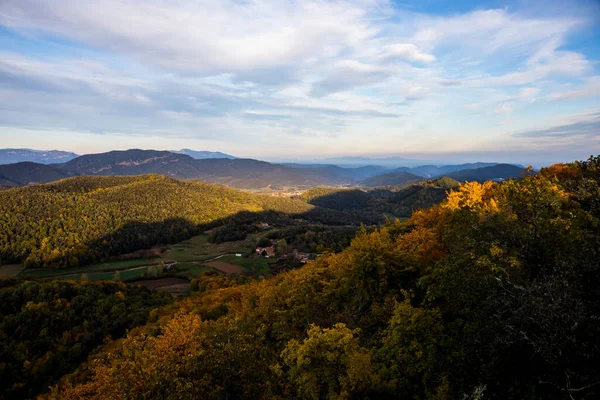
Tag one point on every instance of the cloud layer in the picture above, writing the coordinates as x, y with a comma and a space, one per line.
314, 76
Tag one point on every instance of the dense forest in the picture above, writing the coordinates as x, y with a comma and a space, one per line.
493, 293
395, 201
83, 220
337, 199
48, 328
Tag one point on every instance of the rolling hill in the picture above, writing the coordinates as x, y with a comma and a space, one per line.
421, 195
391, 179
348, 174
82, 220
27, 173
496, 172
241, 173
432, 171
337, 199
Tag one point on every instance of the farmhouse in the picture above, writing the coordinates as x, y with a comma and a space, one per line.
266, 251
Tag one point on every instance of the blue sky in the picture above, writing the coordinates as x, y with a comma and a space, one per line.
514, 81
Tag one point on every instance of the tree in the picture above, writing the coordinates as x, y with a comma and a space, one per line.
328, 364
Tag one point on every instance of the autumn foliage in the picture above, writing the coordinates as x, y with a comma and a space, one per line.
492, 293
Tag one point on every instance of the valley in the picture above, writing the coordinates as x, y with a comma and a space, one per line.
215, 266
299, 199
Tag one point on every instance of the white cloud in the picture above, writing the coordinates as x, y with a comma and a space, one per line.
590, 88
203, 36
407, 51
249, 69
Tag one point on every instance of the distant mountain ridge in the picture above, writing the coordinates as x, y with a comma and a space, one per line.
432, 171
200, 155
12, 156
241, 173
495, 172
391, 179
234, 172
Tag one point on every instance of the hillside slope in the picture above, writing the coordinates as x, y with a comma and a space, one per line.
494, 291
391, 179
420, 196
83, 220
28, 173
495, 172
241, 173
337, 199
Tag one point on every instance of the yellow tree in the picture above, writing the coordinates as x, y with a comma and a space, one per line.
329, 364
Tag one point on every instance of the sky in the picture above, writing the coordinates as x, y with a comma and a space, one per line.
457, 81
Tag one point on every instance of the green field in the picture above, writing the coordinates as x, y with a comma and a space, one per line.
259, 266
188, 254
199, 249
194, 270
42, 273
105, 276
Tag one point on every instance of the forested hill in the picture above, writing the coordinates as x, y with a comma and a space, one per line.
26, 173
491, 294
495, 172
391, 179
83, 220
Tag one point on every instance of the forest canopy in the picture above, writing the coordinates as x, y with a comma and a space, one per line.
84, 220
492, 293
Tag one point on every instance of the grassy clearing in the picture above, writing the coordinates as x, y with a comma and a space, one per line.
251, 265
199, 249
192, 269
189, 255
111, 265
105, 276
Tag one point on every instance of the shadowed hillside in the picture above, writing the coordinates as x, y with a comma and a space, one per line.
83, 220
496, 172
493, 291
391, 179
337, 199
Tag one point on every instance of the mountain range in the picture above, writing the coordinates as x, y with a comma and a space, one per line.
199, 155
239, 172
11, 156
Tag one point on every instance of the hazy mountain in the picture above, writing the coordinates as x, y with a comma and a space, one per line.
248, 173
200, 155
431, 171
390, 162
132, 162
11, 156
242, 173
235, 172
391, 179
496, 172
347, 173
